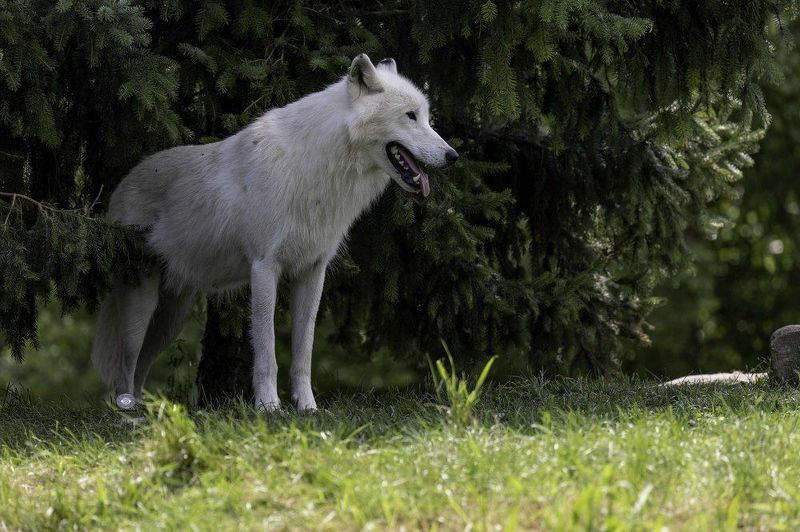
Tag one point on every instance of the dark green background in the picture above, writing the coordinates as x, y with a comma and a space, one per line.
602, 146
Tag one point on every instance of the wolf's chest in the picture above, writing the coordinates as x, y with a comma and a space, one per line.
320, 219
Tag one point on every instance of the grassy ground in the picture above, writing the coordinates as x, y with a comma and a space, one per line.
562, 454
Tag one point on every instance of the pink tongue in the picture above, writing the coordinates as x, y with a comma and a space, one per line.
423, 177
426, 186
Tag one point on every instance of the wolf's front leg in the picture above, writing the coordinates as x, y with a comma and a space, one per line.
264, 288
306, 293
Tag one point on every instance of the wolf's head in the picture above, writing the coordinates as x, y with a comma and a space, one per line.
391, 121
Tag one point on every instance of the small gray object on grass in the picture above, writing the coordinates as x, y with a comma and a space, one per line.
784, 354
129, 407
126, 401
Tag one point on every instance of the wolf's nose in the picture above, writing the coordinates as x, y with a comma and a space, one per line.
451, 155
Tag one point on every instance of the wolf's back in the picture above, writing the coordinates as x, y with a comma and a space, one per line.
140, 198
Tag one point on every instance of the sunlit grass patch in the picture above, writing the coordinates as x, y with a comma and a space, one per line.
559, 454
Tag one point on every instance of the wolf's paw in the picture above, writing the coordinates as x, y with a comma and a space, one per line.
304, 403
268, 405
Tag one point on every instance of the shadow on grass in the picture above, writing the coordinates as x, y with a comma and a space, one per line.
520, 405
29, 424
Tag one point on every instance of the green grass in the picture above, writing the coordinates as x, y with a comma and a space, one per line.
563, 454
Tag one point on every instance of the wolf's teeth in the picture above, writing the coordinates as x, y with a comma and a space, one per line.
416, 178
394, 149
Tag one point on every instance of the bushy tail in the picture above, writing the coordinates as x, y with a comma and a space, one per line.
107, 349
120, 330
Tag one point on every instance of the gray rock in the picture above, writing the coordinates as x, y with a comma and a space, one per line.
784, 354
734, 377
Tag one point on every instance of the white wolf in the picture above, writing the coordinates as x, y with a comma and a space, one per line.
275, 199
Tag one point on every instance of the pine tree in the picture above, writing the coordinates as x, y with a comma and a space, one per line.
743, 285
596, 134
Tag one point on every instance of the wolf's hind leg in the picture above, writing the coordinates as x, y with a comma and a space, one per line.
167, 323
120, 330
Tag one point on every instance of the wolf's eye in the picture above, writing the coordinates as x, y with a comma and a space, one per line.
412, 115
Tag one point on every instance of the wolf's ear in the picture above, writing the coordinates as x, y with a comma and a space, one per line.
363, 77
388, 64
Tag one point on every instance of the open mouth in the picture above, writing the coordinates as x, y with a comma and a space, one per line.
409, 169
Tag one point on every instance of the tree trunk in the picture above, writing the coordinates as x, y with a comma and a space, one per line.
226, 364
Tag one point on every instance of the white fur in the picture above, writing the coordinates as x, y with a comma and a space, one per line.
275, 199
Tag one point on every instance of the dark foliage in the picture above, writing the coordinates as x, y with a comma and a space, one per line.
596, 133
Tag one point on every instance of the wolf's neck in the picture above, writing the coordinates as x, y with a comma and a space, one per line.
307, 151
311, 135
